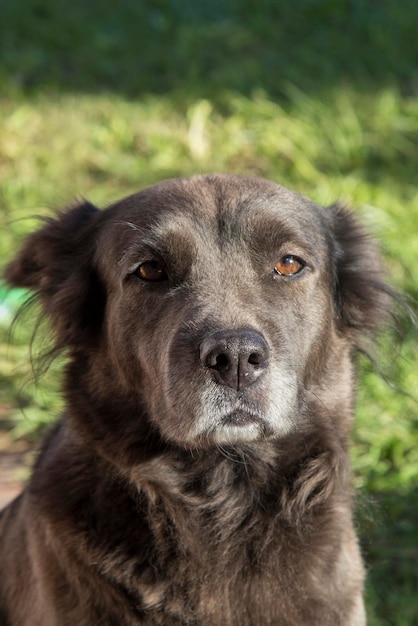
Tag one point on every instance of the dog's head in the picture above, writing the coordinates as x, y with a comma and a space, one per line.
218, 307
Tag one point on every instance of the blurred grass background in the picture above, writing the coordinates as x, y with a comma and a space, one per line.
102, 98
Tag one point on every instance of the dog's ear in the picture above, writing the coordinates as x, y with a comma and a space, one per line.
363, 299
56, 263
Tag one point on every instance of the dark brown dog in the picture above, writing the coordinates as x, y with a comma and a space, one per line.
200, 474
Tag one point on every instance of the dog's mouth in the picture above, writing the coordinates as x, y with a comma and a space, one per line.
239, 418
240, 425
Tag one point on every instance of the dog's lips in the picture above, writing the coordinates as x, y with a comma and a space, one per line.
240, 418
239, 426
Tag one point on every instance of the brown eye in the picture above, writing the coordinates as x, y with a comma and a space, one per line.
151, 271
289, 265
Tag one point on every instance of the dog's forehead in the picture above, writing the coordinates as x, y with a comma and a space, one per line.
188, 221
231, 204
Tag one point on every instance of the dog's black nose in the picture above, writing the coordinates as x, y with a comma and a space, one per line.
237, 358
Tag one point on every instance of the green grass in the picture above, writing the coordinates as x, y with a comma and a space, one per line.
318, 95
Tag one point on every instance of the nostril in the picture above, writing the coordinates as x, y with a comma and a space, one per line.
221, 361
214, 356
256, 358
217, 360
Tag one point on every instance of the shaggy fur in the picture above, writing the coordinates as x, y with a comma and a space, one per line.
199, 475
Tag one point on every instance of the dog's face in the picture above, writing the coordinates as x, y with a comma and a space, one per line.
223, 304
223, 299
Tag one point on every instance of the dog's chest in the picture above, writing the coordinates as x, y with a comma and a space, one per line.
218, 547
218, 560
206, 580
246, 579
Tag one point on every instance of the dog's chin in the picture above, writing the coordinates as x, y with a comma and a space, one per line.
230, 434
236, 427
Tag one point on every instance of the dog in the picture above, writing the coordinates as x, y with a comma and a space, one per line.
199, 475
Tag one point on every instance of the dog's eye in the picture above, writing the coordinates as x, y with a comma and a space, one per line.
289, 265
152, 271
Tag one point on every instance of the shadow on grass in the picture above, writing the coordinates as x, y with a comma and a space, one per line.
207, 49
388, 533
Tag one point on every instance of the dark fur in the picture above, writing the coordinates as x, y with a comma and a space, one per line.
164, 496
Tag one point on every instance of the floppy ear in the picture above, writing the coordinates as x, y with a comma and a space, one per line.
363, 298
56, 263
